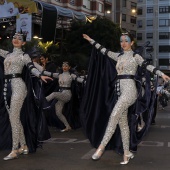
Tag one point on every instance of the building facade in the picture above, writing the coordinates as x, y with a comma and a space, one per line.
153, 24
122, 12
89, 7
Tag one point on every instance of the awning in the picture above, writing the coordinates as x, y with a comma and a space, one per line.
51, 14
64, 12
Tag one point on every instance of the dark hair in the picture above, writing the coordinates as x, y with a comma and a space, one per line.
34, 52
44, 55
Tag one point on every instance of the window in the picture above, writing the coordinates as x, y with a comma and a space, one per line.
164, 35
140, 0
133, 33
149, 22
164, 62
100, 7
86, 4
164, 22
164, 48
164, 9
133, 5
149, 35
123, 17
150, 10
139, 36
139, 24
139, 11
72, 2
133, 19
124, 3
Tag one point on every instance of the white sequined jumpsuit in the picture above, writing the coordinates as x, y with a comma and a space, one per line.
127, 64
64, 95
13, 64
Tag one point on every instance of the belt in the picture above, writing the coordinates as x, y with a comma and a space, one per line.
125, 77
64, 88
118, 82
10, 76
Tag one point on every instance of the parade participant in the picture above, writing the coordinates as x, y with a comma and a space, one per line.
163, 96
50, 66
64, 93
126, 67
46, 64
13, 68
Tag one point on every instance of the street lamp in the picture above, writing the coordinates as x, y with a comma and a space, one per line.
134, 11
35, 37
108, 11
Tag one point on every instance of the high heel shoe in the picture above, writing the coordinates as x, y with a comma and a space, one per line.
23, 150
12, 155
66, 129
140, 127
129, 156
97, 155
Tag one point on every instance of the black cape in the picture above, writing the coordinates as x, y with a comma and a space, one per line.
99, 99
32, 118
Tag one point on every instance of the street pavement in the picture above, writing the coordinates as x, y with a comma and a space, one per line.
72, 151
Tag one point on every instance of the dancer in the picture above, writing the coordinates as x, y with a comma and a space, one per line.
126, 67
13, 67
64, 94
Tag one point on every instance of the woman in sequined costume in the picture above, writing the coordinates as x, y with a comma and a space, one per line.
64, 94
126, 67
13, 67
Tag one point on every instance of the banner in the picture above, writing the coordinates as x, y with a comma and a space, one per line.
24, 23
7, 9
24, 6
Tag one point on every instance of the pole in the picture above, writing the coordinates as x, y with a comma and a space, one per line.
120, 10
155, 39
104, 8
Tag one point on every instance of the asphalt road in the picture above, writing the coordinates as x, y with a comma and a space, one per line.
72, 151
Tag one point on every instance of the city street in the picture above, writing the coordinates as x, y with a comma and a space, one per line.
72, 151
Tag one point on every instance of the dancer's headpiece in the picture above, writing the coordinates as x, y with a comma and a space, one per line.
22, 35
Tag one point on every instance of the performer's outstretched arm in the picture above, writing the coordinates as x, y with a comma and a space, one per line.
151, 68
102, 49
3, 53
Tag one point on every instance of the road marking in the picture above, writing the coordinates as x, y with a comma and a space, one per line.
164, 126
168, 144
65, 140
160, 126
151, 143
75, 141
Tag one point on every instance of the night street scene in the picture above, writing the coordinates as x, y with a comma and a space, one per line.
84, 84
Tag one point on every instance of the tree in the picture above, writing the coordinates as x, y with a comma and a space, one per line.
102, 30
